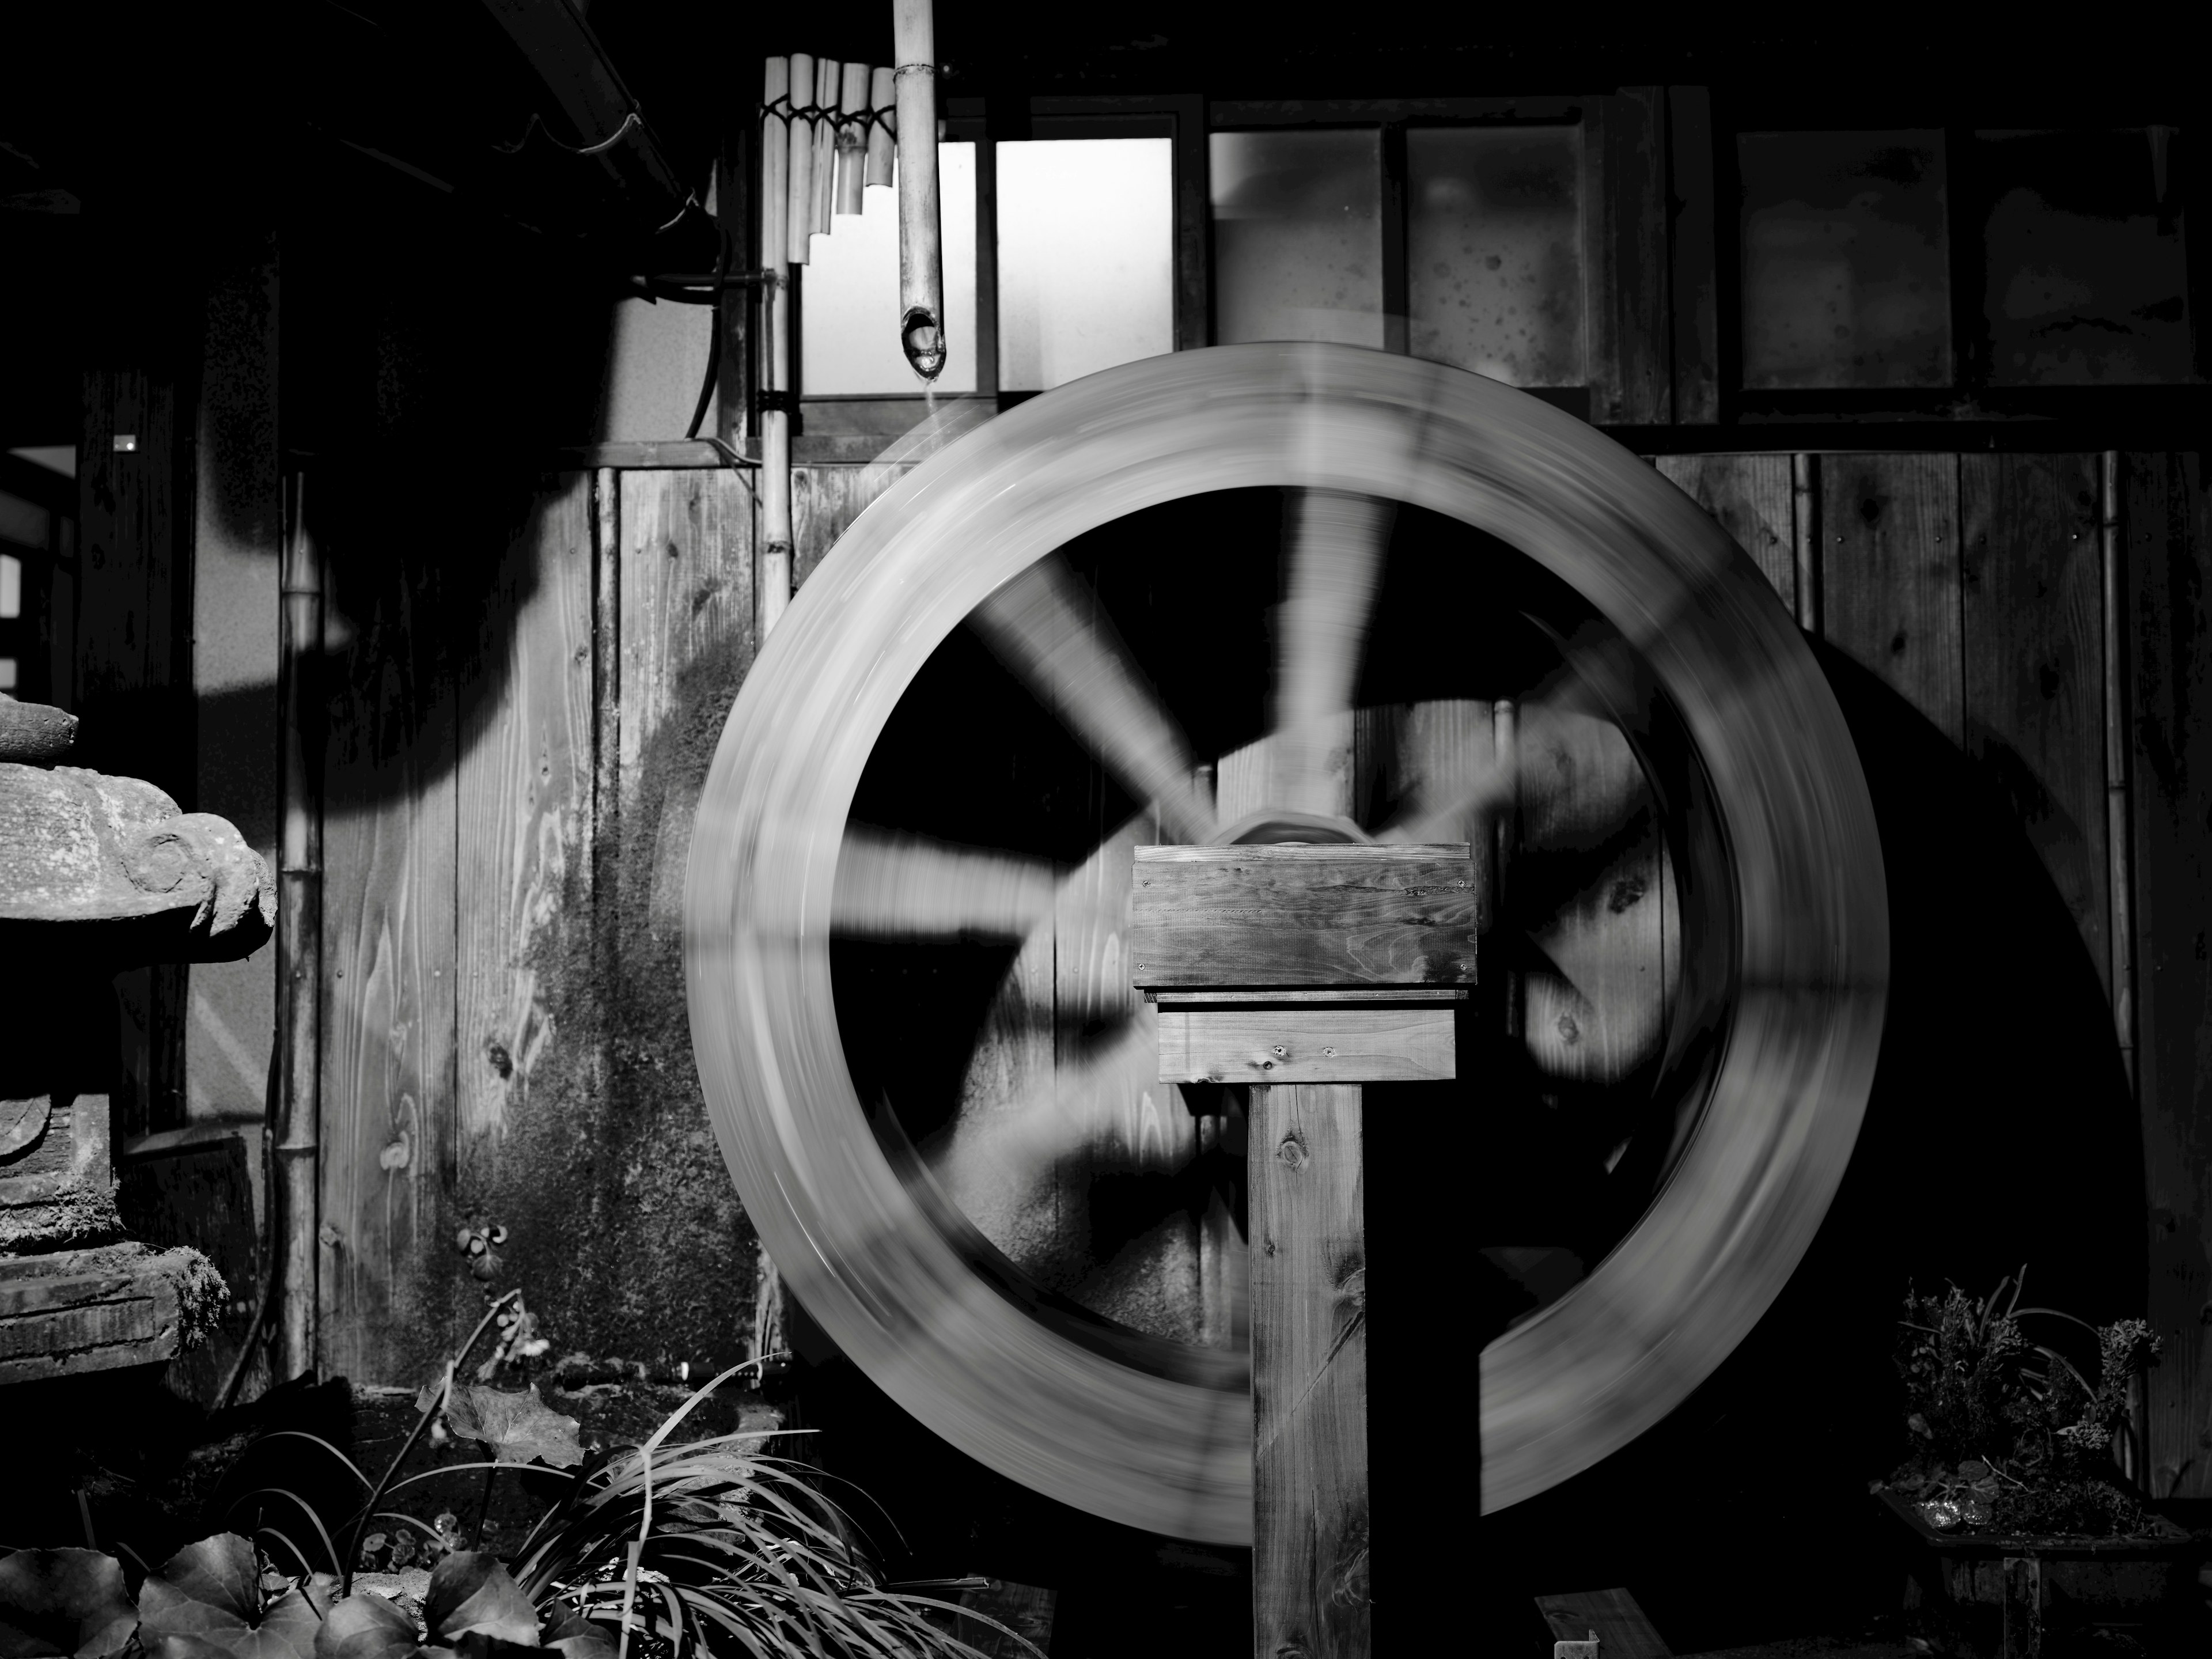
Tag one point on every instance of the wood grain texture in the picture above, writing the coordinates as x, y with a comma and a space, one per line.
1693, 284
389, 828
1750, 496
2033, 638
824, 501
1629, 381
1889, 578
2169, 578
1124, 1123
1309, 1567
1588, 886
1622, 1629
656, 1232
524, 806
1315, 1044
1315, 915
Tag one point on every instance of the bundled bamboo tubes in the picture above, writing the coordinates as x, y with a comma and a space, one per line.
798, 175
774, 576
853, 139
922, 281
882, 112
829, 78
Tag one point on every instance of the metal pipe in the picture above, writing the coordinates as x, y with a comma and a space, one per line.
296, 1106
921, 273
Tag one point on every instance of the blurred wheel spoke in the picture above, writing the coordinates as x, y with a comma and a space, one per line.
1047, 627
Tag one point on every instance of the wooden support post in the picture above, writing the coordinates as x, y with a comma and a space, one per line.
1309, 1594
1331, 964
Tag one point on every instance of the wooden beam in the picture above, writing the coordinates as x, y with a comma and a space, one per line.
1309, 1478
1303, 915
1612, 1616
1313, 1043
1692, 252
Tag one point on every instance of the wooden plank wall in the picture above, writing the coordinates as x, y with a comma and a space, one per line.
2167, 529
489, 874
506, 1039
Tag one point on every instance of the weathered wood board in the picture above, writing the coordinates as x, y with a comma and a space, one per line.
1889, 575
1309, 1288
1588, 899
2032, 610
1315, 915
524, 808
1320, 1043
389, 904
2168, 547
1750, 496
1622, 1630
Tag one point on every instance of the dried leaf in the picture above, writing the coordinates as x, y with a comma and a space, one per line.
471, 1592
63, 1602
365, 1627
516, 1428
207, 1594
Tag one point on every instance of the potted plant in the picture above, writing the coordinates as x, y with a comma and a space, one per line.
2017, 1513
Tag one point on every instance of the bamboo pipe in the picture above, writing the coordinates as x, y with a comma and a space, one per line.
798, 197
882, 113
921, 277
828, 78
853, 139
296, 1109
772, 585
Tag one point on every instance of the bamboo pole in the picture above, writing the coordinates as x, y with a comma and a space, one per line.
773, 579
798, 196
828, 77
295, 1110
882, 113
853, 139
921, 277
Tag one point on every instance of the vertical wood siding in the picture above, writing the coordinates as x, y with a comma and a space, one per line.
2167, 522
507, 1033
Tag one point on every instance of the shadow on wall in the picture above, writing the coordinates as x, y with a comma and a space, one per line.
2001, 1131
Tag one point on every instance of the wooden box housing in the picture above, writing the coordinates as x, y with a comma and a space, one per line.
1304, 965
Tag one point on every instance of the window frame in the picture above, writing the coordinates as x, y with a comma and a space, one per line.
1970, 396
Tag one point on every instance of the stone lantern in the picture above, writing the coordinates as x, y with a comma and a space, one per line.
97, 874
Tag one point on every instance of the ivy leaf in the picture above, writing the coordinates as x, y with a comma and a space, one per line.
516, 1428
579, 1638
70, 1603
207, 1600
470, 1593
365, 1627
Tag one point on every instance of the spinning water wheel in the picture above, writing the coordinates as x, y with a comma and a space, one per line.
1731, 1116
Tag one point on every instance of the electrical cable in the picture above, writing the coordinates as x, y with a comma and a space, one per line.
715, 344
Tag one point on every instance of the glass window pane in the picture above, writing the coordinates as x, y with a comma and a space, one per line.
1087, 257
1298, 236
1494, 250
1845, 274
2087, 279
11, 586
849, 292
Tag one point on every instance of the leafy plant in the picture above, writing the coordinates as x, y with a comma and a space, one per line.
70, 1603
709, 1547
210, 1600
2007, 1433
